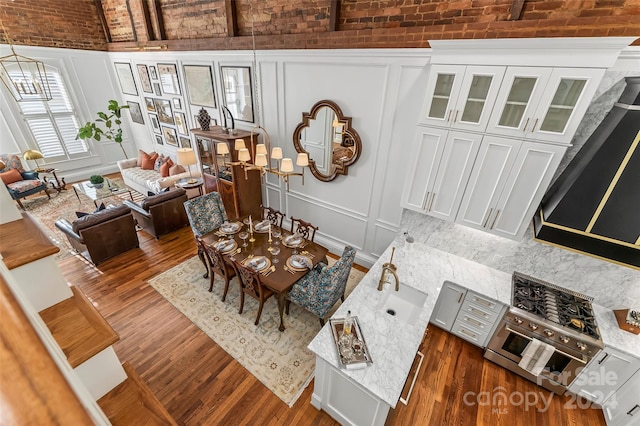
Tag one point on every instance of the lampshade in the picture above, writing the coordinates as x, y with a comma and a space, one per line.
276, 153
186, 157
222, 148
303, 159
335, 123
32, 154
261, 160
239, 144
243, 155
287, 165
261, 149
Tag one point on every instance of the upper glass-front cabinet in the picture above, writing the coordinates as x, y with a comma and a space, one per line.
461, 96
543, 103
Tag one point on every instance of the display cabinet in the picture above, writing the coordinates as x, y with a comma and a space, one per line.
241, 190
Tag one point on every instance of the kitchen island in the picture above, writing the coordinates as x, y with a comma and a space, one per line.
364, 396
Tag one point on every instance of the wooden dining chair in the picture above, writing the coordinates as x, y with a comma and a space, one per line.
251, 284
307, 230
217, 265
274, 216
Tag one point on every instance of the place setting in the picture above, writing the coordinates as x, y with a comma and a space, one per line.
261, 264
225, 246
298, 263
230, 228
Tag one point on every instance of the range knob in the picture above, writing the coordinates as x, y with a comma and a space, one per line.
533, 326
548, 332
564, 339
518, 320
581, 346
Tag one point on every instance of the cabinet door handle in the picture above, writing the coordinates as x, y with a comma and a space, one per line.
426, 199
495, 218
631, 412
533, 129
413, 382
460, 298
479, 312
526, 123
474, 321
449, 116
483, 302
606, 355
433, 197
464, 331
484, 225
455, 117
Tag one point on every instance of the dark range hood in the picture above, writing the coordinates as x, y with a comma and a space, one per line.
594, 205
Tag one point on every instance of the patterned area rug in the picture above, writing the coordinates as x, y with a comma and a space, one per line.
281, 361
65, 205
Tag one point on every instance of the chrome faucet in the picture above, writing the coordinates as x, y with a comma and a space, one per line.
389, 268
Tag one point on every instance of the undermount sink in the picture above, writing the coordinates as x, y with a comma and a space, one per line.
404, 304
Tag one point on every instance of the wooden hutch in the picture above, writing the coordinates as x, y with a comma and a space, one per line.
241, 196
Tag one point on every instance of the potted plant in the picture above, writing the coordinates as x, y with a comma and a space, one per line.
112, 123
97, 181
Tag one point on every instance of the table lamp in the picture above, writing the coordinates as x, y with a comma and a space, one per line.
32, 154
187, 157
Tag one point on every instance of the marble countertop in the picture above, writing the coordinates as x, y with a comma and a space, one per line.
393, 344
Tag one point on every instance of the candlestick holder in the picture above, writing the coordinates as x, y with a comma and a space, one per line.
251, 239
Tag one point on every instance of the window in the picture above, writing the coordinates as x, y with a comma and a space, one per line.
54, 124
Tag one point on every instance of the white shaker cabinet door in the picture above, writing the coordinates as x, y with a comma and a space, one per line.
625, 409
528, 180
448, 304
488, 177
421, 175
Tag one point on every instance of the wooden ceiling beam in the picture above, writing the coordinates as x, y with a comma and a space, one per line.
232, 18
516, 10
103, 20
147, 20
334, 15
157, 14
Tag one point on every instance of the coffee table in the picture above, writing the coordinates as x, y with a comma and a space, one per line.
109, 189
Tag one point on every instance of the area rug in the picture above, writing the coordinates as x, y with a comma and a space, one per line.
280, 360
65, 205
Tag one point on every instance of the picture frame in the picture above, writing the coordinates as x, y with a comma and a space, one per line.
125, 78
238, 92
155, 124
169, 81
181, 123
159, 140
170, 136
177, 104
163, 109
145, 81
150, 105
136, 112
153, 72
185, 142
199, 82
156, 89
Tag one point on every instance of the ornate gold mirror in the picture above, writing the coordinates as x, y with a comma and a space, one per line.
327, 137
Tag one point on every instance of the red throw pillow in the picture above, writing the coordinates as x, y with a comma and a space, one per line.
148, 161
11, 176
141, 155
164, 169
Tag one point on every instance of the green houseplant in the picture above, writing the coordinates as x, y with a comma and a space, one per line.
97, 181
112, 123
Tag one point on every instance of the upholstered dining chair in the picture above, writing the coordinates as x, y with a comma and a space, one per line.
251, 284
205, 213
307, 230
274, 216
321, 288
217, 265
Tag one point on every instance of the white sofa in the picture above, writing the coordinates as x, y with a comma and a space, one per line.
148, 180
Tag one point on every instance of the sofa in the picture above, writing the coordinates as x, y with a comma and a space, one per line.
162, 213
145, 180
103, 234
19, 182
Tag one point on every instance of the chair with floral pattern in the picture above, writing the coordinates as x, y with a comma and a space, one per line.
321, 288
19, 182
206, 213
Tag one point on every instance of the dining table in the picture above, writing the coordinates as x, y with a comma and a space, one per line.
282, 278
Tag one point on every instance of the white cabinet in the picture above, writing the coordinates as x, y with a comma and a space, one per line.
604, 375
461, 97
623, 409
440, 170
543, 103
448, 304
508, 180
477, 318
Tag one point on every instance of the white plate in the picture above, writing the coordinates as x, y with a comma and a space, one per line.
262, 226
257, 263
292, 240
224, 245
230, 228
298, 261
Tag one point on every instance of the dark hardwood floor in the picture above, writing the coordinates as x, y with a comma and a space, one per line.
199, 383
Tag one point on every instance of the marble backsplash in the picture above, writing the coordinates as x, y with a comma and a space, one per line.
611, 285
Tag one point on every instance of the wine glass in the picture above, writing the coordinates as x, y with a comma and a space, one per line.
243, 236
276, 236
297, 235
275, 251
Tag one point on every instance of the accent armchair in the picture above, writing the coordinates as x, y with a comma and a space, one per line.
103, 234
20, 183
162, 213
321, 288
205, 214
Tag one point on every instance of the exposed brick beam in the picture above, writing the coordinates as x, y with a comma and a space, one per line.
232, 18
103, 20
516, 10
334, 15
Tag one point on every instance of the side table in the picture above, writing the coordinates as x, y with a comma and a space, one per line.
195, 184
56, 183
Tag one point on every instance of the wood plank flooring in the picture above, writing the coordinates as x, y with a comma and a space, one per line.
199, 383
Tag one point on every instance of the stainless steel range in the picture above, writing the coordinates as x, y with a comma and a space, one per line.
544, 312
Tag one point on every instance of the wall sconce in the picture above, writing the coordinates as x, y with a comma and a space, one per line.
258, 158
33, 155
